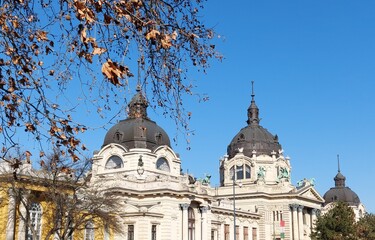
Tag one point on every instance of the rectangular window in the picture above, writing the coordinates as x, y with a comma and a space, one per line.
277, 216
130, 232
245, 233
212, 234
255, 236
89, 231
226, 232
237, 232
153, 232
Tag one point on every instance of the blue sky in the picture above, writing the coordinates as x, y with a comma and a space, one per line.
313, 63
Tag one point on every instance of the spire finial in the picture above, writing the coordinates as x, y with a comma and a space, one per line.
139, 76
138, 105
339, 178
252, 91
253, 111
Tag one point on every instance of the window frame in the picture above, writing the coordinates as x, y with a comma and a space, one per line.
117, 157
191, 224
161, 165
242, 169
89, 230
36, 222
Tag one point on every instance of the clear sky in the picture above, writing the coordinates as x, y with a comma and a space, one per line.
313, 63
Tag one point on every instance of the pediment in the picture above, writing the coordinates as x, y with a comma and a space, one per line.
310, 193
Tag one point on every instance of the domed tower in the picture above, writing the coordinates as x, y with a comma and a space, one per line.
136, 146
254, 139
137, 131
254, 155
341, 193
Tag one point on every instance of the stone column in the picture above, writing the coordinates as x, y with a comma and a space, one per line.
204, 222
294, 221
10, 230
313, 218
308, 222
221, 231
185, 225
300, 222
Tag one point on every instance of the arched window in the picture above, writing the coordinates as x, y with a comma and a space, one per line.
35, 219
114, 162
162, 164
242, 172
191, 224
89, 231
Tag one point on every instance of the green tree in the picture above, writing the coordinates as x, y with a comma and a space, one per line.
337, 224
366, 227
50, 49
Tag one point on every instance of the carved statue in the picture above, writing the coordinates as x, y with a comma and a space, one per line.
261, 173
192, 179
206, 180
283, 173
305, 181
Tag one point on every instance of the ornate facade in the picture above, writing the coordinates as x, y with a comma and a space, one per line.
255, 200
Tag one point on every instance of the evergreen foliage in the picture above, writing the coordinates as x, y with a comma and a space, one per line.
337, 224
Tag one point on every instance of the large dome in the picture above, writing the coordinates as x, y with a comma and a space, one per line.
137, 131
341, 193
254, 137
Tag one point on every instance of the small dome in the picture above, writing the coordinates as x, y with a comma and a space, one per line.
254, 137
137, 131
341, 193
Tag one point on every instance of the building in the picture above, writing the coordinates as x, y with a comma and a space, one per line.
255, 200
341, 193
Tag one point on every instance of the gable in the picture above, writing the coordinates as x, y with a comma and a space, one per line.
310, 193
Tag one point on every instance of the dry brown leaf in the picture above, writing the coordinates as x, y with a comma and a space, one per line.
83, 35
41, 36
16, 59
166, 41
98, 51
28, 154
112, 71
174, 35
152, 34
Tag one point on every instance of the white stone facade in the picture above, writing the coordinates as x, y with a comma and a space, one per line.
163, 202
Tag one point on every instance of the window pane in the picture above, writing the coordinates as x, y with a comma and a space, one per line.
89, 231
35, 216
153, 232
239, 171
247, 171
226, 232
114, 162
255, 234
245, 233
191, 224
130, 232
162, 164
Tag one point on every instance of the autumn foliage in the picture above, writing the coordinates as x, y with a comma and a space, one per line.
46, 45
